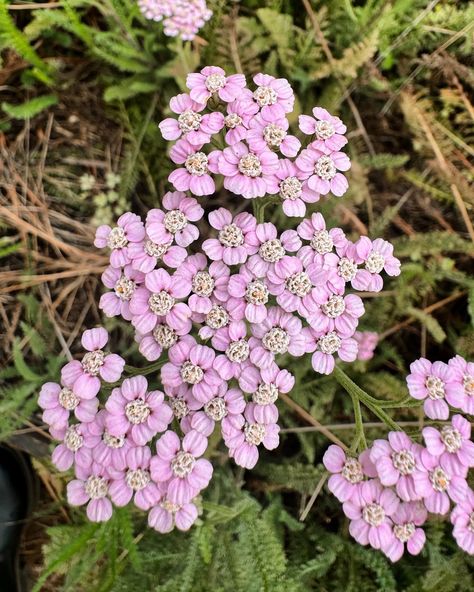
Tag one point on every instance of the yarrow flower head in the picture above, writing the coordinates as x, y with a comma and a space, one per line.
181, 18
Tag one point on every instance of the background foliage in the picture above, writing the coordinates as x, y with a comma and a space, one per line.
84, 84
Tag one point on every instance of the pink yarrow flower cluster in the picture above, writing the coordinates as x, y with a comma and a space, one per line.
181, 18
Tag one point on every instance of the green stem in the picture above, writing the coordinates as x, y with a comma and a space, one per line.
146, 370
370, 402
360, 434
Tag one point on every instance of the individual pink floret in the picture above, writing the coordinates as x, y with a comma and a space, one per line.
265, 384
367, 342
129, 230
249, 296
463, 373
321, 170
406, 530
239, 114
158, 299
462, 517
166, 515
328, 130
162, 337
436, 484
433, 383
337, 313
279, 333
273, 95
292, 187
193, 365
213, 79
347, 472
58, 402
268, 132
326, 346
377, 256
72, 450
85, 376
297, 288
146, 255
134, 481
221, 408
220, 316
244, 434
106, 449
270, 248
452, 444
232, 340
123, 282
322, 240
195, 175
236, 237
370, 511
136, 411
92, 489
246, 172
396, 461
207, 283
179, 463
175, 223
190, 124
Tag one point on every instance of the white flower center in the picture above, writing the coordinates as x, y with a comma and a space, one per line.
155, 250
404, 532
238, 351
124, 288
254, 433
264, 96
352, 471
164, 336
161, 303
170, 507
322, 242
256, 292
324, 130
468, 383
189, 121
191, 373
114, 442
347, 269
291, 188
174, 221
265, 394
216, 409
404, 462
92, 361
182, 464
435, 387
452, 438
250, 165
299, 284
73, 440
439, 479
215, 82
330, 343
325, 168
231, 236
202, 283
276, 340
68, 399
96, 487
117, 238
334, 307
196, 164
179, 407
271, 250
273, 135
375, 262
137, 479
232, 120
217, 317
373, 514
137, 411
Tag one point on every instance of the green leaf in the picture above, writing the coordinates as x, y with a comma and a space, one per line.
431, 324
30, 108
